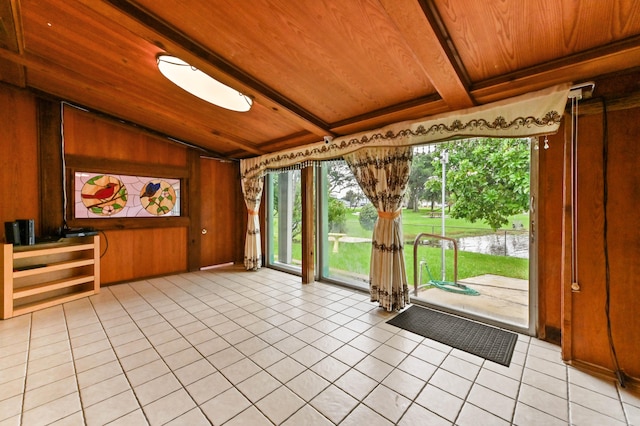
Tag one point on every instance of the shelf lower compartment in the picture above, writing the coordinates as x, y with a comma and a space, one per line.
47, 303
35, 289
47, 268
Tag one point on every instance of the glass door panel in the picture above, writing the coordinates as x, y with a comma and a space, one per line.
284, 220
344, 238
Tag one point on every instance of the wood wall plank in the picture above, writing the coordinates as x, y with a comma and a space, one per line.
308, 222
19, 159
50, 151
90, 135
193, 211
588, 303
550, 234
588, 319
624, 236
131, 254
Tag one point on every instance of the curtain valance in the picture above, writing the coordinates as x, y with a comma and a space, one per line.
532, 114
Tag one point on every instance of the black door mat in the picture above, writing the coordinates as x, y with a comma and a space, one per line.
482, 340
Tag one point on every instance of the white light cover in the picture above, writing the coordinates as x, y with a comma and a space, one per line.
202, 85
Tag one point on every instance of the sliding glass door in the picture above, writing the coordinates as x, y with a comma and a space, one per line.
471, 205
344, 241
284, 221
475, 193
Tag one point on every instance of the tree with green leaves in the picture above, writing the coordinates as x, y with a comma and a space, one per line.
340, 178
421, 169
368, 216
488, 179
432, 190
353, 198
337, 212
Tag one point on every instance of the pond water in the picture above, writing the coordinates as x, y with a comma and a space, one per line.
498, 244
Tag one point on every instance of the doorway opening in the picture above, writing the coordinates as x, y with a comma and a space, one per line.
470, 202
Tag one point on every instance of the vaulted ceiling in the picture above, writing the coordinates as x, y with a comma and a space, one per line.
313, 67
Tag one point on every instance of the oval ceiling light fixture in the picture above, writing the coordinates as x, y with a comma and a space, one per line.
199, 84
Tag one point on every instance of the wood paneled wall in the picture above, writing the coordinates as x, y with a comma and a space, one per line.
624, 238
580, 316
19, 189
130, 253
588, 327
29, 127
91, 136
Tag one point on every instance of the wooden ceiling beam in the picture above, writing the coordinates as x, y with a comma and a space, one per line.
12, 73
12, 40
607, 59
10, 32
432, 52
415, 109
291, 141
212, 63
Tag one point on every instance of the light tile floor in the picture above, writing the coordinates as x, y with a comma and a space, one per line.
225, 346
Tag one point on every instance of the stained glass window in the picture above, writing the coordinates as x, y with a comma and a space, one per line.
111, 195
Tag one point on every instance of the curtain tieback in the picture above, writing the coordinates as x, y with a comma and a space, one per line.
389, 215
253, 212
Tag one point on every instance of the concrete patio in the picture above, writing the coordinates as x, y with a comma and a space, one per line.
501, 298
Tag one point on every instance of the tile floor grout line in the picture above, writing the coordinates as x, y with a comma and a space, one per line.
438, 366
465, 400
26, 369
517, 396
566, 380
624, 412
281, 384
569, 414
218, 370
75, 370
184, 387
394, 368
244, 356
131, 388
308, 368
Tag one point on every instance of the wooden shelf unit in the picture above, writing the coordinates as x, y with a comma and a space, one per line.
43, 275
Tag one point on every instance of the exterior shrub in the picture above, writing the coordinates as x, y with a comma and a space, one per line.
337, 216
368, 216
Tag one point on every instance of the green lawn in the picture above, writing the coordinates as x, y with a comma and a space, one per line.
414, 223
355, 257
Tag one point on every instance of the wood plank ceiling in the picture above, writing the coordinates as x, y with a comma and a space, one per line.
313, 67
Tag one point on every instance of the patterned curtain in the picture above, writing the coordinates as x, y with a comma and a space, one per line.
383, 174
252, 190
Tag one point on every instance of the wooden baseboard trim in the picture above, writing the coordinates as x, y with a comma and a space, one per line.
632, 383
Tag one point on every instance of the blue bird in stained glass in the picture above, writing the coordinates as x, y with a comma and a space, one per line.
150, 189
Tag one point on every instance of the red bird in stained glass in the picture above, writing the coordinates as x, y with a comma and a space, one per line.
102, 194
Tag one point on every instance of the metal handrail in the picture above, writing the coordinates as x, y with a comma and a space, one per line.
415, 258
